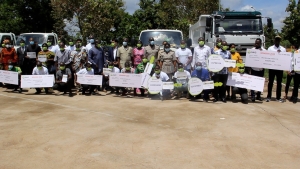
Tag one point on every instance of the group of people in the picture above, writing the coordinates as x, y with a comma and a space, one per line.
67, 61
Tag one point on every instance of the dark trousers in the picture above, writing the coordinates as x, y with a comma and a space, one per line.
86, 87
63, 87
243, 92
288, 82
39, 90
296, 85
259, 74
272, 74
220, 91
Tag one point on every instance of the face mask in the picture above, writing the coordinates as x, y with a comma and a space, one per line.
293, 50
145, 60
31, 42
3, 45
232, 50
89, 68
77, 49
45, 48
127, 68
198, 68
124, 43
201, 43
139, 45
180, 69
59, 41
112, 44
110, 67
219, 44
182, 46
71, 43
61, 49
62, 67
10, 67
22, 44
49, 43
39, 67
79, 44
241, 70
7, 46
167, 49
224, 47
92, 41
157, 72
98, 45
152, 42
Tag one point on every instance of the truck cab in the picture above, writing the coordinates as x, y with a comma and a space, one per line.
10, 36
173, 37
40, 38
240, 28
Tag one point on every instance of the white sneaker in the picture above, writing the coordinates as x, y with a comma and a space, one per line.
268, 99
280, 100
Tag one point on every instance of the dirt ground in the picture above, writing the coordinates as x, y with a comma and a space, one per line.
110, 132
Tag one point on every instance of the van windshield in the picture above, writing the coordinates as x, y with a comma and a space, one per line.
38, 38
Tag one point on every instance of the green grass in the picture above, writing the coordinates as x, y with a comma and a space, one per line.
266, 75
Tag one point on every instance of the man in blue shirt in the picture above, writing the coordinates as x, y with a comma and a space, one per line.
96, 57
202, 74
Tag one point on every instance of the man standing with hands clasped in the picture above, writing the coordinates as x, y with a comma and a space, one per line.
278, 73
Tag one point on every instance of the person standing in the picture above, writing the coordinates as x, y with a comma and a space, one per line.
124, 54
91, 43
184, 55
49, 63
96, 57
31, 62
8, 54
292, 74
168, 61
201, 54
71, 46
114, 50
278, 73
151, 50
137, 54
257, 71
220, 77
51, 47
21, 52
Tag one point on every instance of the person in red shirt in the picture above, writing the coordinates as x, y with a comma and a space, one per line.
8, 54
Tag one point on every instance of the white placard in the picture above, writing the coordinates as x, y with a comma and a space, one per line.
246, 81
208, 85
37, 81
296, 61
168, 85
31, 55
155, 85
9, 77
125, 80
145, 79
42, 58
215, 63
181, 75
89, 79
64, 78
230, 63
106, 71
195, 86
268, 59
148, 68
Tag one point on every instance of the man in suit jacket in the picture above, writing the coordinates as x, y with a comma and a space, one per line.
113, 50
21, 52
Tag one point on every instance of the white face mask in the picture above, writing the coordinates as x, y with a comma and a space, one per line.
7, 46
10, 67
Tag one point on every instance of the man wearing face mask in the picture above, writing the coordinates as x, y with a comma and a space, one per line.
21, 52
71, 46
114, 50
184, 55
62, 55
242, 91
218, 45
278, 73
164, 78
50, 64
180, 82
221, 76
91, 43
126, 69
78, 57
8, 54
124, 53
82, 48
51, 47
203, 75
32, 47
168, 61
88, 70
40, 70
151, 50
12, 67
96, 57
201, 53
59, 84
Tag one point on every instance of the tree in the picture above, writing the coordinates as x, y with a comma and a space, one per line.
9, 17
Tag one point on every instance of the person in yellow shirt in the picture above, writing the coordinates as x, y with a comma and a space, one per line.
234, 56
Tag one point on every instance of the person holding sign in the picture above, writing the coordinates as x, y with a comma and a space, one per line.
30, 60
112, 69
88, 70
63, 80
277, 73
242, 91
168, 61
220, 78
140, 69
202, 74
47, 58
184, 55
40, 70
164, 78
12, 67
180, 79
127, 69
8, 54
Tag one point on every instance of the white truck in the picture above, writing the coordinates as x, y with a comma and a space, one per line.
173, 37
10, 36
40, 38
240, 28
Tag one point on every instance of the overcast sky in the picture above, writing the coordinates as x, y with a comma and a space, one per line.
270, 8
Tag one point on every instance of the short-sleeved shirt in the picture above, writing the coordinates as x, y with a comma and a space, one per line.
168, 61
43, 71
183, 56
60, 73
182, 81
85, 72
201, 55
149, 52
162, 76
237, 57
125, 55
62, 56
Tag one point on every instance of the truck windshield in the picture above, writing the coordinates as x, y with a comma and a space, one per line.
239, 26
38, 38
172, 37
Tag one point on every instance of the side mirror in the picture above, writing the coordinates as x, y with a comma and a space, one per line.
208, 22
189, 42
269, 23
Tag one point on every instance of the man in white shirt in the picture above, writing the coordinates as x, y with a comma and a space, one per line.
88, 70
184, 55
164, 78
71, 46
296, 78
278, 73
257, 71
40, 70
91, 43
51, 47
180, 79
201, 53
